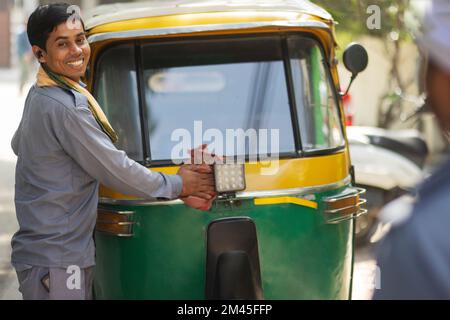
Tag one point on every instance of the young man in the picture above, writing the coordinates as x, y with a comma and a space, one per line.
65, 148
414, 259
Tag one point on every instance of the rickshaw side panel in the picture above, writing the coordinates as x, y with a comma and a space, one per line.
300, 256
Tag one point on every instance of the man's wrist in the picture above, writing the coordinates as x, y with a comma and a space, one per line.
176, 182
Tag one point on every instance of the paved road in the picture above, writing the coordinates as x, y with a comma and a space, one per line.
11, 110
365, 275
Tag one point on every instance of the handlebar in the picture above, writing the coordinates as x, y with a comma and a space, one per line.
421, 109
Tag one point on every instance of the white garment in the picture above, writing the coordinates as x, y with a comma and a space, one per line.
435, 37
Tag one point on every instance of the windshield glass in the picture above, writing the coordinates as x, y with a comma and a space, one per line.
317, 108
116, 91
217, 86
239, 95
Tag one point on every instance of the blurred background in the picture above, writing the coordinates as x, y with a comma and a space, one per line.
387, 96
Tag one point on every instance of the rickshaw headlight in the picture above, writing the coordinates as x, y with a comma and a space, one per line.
229, 177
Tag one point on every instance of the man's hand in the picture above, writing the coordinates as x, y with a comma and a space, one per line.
201, 199
198, 181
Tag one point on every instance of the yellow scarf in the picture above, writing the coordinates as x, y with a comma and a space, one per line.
46, 78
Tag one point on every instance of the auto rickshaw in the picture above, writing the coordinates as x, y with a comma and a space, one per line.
161, 67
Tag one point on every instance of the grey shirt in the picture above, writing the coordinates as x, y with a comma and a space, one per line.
414, 258
63, 155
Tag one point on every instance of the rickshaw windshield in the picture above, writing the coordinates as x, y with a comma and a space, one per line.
215, 90
245, 96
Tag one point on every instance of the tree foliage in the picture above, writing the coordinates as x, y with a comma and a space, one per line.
352, 15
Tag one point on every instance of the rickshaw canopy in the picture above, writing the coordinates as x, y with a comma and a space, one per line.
128, 11
159, 18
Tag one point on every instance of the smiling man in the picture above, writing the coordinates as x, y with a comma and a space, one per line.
65, 148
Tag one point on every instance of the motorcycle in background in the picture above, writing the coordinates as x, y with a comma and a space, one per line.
388, 164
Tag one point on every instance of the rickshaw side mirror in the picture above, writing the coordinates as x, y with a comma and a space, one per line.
356, 60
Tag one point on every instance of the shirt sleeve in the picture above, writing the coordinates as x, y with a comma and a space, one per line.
82, 138
15, 142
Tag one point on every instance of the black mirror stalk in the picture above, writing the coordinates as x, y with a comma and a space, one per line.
343, 94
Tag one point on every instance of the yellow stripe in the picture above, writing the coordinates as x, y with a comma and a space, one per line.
280, 200
291, 173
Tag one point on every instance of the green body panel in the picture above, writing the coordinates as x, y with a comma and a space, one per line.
301, 257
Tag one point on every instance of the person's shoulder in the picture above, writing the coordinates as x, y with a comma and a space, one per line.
81, 100
424, 234
433, 194
59, 97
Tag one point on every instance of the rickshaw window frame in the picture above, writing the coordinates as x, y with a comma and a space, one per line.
291, 96
137, 45
327, 67
101, 53
142, 104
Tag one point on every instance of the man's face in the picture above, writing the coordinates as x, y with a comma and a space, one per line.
67, 51
438, 91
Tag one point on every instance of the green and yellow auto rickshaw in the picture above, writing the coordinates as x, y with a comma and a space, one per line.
198, 69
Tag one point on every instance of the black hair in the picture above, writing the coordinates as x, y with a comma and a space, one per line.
45, 19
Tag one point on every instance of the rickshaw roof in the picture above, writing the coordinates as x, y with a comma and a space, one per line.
119, 12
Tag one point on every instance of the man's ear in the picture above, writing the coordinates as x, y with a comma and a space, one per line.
39, 54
